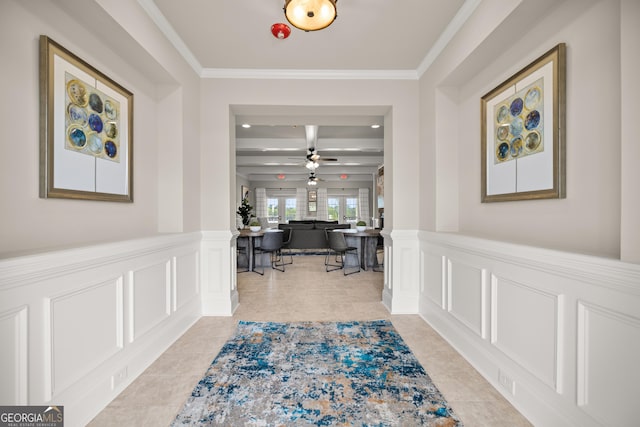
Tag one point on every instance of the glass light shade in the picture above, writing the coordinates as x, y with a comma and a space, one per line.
310, 15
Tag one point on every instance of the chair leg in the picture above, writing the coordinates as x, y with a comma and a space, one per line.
333, 267
274, 260
257, 261
282, 254
379, 266
355, 254
244, 269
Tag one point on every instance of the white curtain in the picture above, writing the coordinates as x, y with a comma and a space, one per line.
261, 202
363, 205
301, 203
323, 207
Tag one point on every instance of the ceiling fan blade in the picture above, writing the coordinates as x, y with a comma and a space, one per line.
327, 160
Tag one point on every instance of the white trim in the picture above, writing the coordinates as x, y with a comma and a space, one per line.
465, 11
240, 73
165, 27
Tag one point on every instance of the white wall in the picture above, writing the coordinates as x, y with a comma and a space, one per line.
32, 224
630, 149
545, 327
558, 334
78, 326
400, 97
588, 220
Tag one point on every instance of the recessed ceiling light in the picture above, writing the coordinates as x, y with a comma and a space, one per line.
375, 126
246, 125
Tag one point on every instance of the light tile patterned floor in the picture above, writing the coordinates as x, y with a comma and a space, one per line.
304, 292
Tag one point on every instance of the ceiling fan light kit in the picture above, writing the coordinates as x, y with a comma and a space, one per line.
310, 15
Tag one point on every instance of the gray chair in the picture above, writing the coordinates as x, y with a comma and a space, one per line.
379, 267
287, 233
272, 244
338, 246
242, 256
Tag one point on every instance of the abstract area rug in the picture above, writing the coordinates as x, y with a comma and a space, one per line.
316, 373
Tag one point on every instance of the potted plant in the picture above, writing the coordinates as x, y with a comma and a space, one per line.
254, 225
361, 225
244, 211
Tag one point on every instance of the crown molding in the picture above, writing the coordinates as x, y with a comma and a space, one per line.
165, 27
239, 73
465, 11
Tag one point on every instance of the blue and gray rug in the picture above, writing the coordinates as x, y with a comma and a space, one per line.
316, 373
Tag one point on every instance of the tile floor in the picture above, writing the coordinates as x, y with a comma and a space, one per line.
304, 292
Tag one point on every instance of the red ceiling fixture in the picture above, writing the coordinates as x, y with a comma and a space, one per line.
281, 176
280, 31
343, 176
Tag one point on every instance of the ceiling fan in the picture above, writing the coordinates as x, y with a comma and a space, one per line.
313, 159
313, 179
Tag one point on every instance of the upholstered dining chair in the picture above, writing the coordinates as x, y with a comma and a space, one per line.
242, 253
379, 266
272, 244
338, 246
287, 233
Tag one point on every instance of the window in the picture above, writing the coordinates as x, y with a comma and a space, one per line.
343, 209
279, 207
272, 209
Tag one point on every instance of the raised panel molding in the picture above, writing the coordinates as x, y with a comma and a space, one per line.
66, 319
404, 271
564, 329
149, 298
86, 329
608, 355
186, 283
217, 267
466, 290
526, 325
436, 284
14, 356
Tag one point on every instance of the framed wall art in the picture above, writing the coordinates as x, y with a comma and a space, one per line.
86, 130
244, 192
523, 133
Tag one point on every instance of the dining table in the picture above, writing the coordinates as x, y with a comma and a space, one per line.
366, 242
248, 240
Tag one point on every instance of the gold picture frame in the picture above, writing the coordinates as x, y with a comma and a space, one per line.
86, 130
523, 133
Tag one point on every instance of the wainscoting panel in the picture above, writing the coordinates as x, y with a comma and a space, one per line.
89, 321
405, 271
435, 286
465, 294
608, 345
79, 325
563, 339
531, 344
219, 293
186, 269
13, 356
150, 297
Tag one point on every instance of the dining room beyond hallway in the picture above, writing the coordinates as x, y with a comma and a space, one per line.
304, 292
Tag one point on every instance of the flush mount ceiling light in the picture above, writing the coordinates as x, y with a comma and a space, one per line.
310, 15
